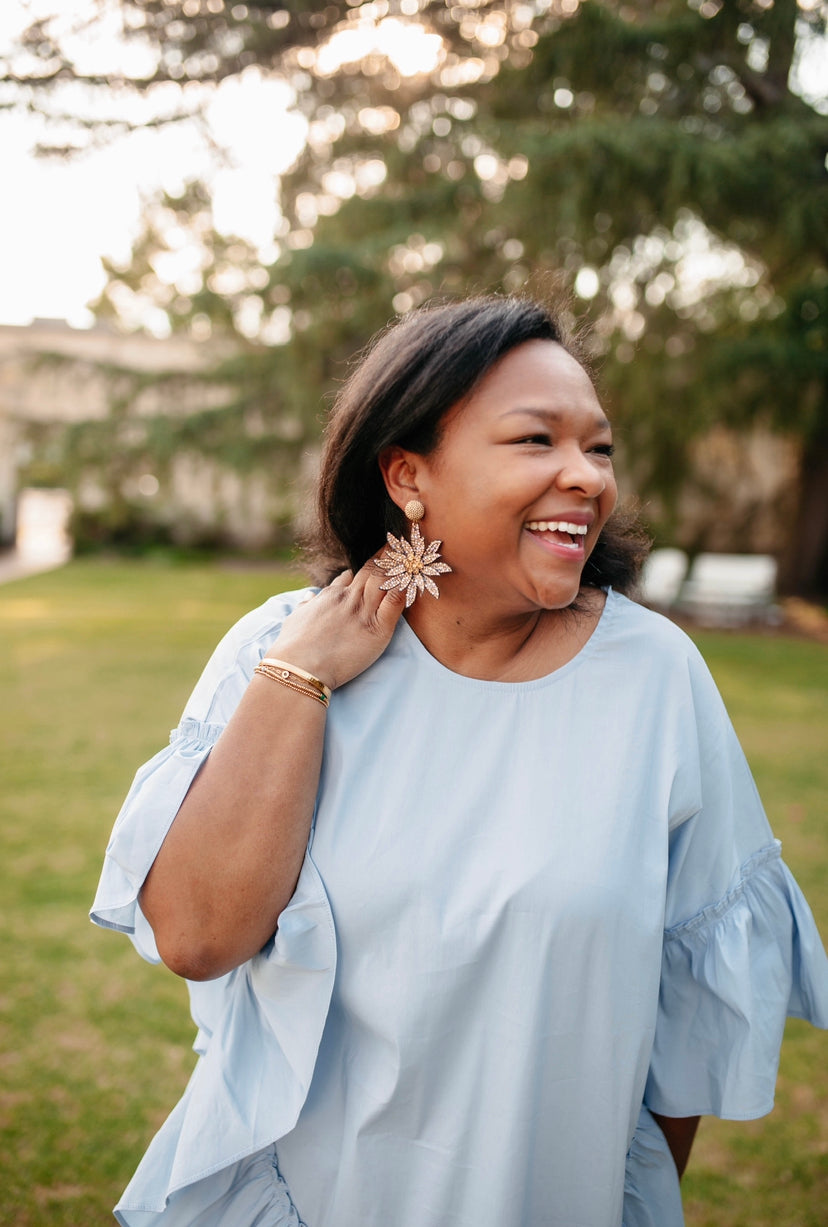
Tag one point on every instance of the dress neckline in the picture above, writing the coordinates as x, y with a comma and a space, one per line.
407, 637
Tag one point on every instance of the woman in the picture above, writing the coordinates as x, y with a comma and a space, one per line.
478, 942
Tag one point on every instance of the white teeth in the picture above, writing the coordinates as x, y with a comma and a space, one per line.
557, 526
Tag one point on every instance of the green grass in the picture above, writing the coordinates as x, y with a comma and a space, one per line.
97, 660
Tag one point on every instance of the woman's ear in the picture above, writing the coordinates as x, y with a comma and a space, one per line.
399, 472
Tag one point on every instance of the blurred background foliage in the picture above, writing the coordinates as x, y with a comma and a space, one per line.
654, 160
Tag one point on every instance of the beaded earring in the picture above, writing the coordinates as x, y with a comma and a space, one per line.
411, 567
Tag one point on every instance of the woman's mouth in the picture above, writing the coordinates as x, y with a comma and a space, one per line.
560, 533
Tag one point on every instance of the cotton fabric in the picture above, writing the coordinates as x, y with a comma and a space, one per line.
529, 912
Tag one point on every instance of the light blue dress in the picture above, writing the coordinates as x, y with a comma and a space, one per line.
529, 912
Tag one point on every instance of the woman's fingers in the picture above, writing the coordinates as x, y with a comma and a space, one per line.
389, 609
365, 586
345, 628
382, 608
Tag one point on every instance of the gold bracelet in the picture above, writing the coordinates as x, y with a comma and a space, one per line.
278, 675
306, 677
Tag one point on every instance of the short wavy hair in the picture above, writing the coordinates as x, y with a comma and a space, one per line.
404, 384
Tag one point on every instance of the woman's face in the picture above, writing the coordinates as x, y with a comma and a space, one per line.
521, 483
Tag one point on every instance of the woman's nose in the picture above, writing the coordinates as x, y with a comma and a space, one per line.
580, 472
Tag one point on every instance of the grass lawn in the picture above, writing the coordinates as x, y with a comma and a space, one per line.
97, 661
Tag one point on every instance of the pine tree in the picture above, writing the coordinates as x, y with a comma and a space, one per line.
593, 142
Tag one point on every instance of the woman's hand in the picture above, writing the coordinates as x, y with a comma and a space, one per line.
338, 633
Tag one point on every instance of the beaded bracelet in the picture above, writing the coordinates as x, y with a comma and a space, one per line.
289, 677
306, 677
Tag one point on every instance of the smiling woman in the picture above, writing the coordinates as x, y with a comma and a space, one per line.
476, 934
528, 445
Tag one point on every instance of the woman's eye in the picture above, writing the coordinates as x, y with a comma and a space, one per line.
600, 449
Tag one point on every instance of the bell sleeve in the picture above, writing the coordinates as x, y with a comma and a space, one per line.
161, 784
741, 950
153, 801
259, 1026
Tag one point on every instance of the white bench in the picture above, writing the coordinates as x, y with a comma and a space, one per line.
662, 577
730, 590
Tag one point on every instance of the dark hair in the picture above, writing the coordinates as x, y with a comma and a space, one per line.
410, 375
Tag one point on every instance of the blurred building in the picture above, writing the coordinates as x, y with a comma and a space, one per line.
51, 374
54, 378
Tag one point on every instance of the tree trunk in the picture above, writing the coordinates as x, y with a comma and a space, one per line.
804, 569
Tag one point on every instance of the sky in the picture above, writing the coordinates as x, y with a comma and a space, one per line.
57, 219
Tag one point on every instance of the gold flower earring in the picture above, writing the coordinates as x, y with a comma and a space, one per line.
411, 567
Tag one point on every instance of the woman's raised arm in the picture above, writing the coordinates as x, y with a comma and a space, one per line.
231, 858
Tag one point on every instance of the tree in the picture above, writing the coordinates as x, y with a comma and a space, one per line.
598, 142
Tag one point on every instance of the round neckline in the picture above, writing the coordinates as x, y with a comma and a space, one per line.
421, 652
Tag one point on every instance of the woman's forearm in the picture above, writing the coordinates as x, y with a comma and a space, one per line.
679, 1132
231, 858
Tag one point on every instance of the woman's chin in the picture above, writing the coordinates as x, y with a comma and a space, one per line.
558, 596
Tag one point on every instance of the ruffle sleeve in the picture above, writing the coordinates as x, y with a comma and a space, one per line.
260, 1026
741, 948
731, 975
261, 1029
151, 804
161, 784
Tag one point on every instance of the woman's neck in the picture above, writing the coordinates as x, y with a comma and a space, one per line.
503, 648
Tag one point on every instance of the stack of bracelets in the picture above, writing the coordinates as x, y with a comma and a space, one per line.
295, 678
